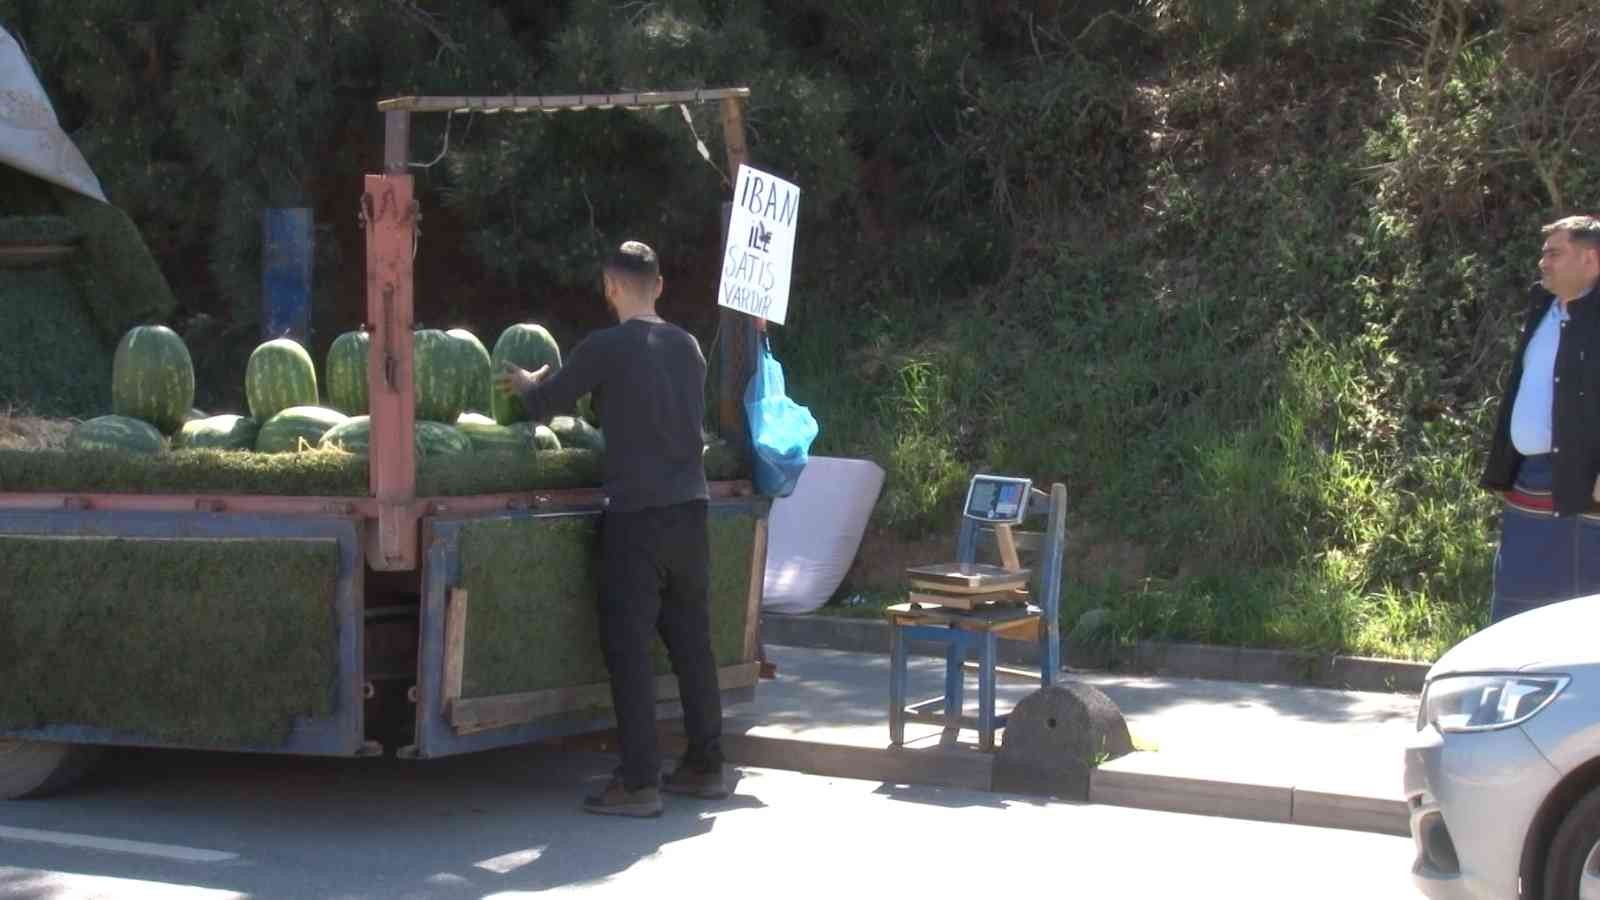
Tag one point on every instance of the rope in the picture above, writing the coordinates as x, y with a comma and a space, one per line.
700, 145
443, 150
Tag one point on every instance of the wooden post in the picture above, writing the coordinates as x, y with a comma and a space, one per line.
737, 344
396, 142
390, 211
1007, 545
455, 645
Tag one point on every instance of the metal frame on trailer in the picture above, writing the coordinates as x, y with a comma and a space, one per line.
448, 724
340, 734
383, 530
390, 213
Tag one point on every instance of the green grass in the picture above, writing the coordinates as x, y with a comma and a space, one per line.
533, 583
116, 275
52, 356
1276, 385
321, 473
175, 640
39, 229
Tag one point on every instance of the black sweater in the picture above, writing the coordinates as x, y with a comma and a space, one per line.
647, 379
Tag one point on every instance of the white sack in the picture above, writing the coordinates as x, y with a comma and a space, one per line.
31, 138
814, 532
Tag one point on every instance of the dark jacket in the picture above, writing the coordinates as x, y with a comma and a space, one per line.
1575, 441
648, 381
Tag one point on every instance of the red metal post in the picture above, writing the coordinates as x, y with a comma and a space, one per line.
390, 210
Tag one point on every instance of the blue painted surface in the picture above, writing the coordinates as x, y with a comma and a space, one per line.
442, 570
288, 245
340, 734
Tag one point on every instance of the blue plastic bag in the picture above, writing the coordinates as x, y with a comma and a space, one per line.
781, 430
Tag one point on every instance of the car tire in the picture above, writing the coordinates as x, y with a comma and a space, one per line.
1572, 870
37, 768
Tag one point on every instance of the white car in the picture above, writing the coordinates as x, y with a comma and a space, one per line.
1503, 776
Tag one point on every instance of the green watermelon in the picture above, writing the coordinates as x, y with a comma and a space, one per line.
280, 374
526, 346
297, 427
540, 437
486, 436
152, 377
347, 372
116, 433
575, 433
439, 439
227, 432
441, 375
353, 435
480, 384
586, 410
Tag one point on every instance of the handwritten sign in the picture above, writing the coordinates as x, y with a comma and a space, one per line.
760, 252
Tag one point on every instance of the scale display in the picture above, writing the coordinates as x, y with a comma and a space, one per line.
998, 500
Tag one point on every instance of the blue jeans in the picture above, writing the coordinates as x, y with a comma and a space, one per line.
1543, 558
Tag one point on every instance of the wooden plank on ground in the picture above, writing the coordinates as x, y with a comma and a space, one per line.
758, 572
455, 642
968, 601
553, 102
472, 715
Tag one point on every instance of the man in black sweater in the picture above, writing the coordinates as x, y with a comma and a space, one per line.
646, 378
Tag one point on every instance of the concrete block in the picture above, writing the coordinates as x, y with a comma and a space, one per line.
1199, 661
1383, 815
1355, 673
1276, 666
829, 632
1267, 803
1175, 659
1055, 736
958, 767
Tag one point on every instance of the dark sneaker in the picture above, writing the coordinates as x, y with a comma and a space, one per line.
617, 800
696, 783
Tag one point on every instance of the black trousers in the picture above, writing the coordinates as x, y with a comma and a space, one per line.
655, 579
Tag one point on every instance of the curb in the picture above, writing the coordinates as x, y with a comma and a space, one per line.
1351, 673
1108, 785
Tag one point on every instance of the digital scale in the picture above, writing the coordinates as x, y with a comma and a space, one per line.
998, 502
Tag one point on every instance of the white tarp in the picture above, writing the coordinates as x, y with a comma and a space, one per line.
31, 138
813, 533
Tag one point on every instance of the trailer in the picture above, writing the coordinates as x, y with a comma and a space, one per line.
409, 615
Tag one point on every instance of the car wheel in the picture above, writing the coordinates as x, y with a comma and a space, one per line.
1572, 870
36, 768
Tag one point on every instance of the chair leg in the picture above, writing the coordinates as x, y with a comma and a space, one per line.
954, 684
1049, 653
986, 679
897, 686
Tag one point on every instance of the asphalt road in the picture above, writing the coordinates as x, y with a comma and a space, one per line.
190, 826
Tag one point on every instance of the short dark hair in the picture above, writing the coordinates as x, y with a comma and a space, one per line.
636, 260
1583, 229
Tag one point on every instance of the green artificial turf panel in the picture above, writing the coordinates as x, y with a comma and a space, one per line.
212, 643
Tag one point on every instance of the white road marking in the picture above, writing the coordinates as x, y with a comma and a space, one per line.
115, 845
71, 886
510, 862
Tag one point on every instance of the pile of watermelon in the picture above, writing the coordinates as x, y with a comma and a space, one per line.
457, 408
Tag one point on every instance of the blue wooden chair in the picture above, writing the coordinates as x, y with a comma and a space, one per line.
964, 632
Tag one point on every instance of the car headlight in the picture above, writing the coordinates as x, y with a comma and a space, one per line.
1487, 702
